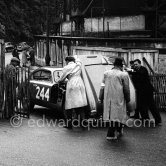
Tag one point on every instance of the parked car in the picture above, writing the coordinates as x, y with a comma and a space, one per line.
22, 45
47, 92
9, 47
44, 88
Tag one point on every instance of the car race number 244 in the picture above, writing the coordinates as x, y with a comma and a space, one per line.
42, 93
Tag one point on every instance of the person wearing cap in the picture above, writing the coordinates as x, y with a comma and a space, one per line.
10, 86
25, 57
75, 98
116, 97
31, 56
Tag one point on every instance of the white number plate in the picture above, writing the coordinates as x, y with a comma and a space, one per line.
41, 94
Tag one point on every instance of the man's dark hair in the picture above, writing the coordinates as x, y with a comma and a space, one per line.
137, 60
70, 59
131, 62
118, 62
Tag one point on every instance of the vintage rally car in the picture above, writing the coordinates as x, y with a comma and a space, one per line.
46, 91
44, 88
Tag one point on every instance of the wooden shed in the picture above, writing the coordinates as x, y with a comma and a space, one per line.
151, 56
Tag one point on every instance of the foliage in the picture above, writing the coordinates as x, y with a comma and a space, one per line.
23, 18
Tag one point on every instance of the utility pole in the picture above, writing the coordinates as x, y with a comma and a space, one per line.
47, 57
103, 18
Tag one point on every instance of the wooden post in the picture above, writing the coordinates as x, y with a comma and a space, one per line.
62, 52
47, 57
2, 69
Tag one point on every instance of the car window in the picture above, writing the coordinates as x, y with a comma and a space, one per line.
57, 74
42, 75
46, 76
36, 75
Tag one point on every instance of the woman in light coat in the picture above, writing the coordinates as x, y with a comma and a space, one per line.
75, 90
116, 96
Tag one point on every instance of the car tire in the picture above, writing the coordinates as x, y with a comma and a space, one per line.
63, 110
31, 106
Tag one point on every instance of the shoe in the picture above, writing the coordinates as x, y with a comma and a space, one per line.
120, 134
111, 138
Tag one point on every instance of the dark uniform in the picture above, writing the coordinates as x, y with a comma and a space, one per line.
10, 87
144, 90
32, 56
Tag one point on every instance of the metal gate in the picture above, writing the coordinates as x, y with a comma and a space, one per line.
159, 83
23, 96
16, 93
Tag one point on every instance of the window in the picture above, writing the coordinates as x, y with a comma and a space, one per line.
46, 75
36, 75
57, 75
42, 75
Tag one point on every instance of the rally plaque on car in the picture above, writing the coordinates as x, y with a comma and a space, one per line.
42, 93
44, 87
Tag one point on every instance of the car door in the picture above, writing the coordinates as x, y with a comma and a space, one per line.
40, 86
58, 89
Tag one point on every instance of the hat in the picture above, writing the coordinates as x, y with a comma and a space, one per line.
14, 59
70, 59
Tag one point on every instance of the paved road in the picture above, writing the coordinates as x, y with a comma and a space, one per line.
38, 143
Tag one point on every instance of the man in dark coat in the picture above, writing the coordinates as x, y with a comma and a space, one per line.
144, 90
10, 86
32, 56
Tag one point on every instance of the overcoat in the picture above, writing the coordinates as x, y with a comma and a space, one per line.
75, 89
116, 95
10, 89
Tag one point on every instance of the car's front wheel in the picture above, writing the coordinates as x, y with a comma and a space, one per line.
31, 106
